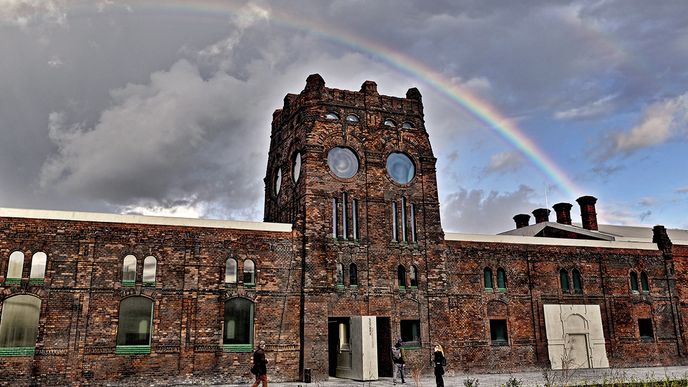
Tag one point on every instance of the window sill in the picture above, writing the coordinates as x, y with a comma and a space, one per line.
250, 286
414, 287
500, 343
339, 287
411, 345
132, 350
12, 281
36, 281
489, 290
128, 283
237, 347
353, 286
647, 339
149, 283
501, 290
17, 351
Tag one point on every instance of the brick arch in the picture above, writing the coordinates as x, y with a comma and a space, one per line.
12, 291
497, 308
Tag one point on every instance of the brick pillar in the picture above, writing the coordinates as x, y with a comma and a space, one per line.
563, 211
588, 213
522, 220
541, 215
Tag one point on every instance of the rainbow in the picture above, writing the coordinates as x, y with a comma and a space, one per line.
409, 66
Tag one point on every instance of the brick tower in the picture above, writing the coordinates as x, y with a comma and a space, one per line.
355, 173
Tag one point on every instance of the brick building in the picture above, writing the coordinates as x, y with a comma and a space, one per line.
350, 257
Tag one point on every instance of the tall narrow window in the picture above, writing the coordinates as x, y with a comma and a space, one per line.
644, 282
334, 218
15, 268
501, 279
339, 273
413, 223
634, 282
353, 275
395, 232
238, 325
401, 276
564, 280
498, 332
403, 220
135, 317
577, 283
413, 274
345, 226
354, 219
487, 275
249, 273
231, 271
150, 267
129, 270
38, 262
19, 325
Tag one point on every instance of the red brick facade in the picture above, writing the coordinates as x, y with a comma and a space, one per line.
297, 291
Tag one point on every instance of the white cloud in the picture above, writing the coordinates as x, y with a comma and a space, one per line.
682, 190
661, 121
595, 108
475, 211
25, 12
505, 162
55, 62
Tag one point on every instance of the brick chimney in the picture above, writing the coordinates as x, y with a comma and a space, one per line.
522, 220
588, 213
563, 211
541, 215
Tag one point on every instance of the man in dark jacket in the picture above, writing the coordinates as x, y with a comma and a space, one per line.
399, 359
260, 365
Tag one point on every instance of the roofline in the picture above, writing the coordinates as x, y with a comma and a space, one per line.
529, 240
142, 219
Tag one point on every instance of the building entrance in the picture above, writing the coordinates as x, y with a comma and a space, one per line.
352, 347
384, 347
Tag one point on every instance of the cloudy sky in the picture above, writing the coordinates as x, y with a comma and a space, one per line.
164, 107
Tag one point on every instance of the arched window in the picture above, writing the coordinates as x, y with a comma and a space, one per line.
353, 275
249, 273
238, 325
38, 262
501, 279
134, 329
564, 280
414, 276
331, 116
487, 278
644, 282
19, 324
231, 271
150, 266
634, 282
401, 276
352, 118
577, 283
389, 122
129, 270
15, 268
340, 275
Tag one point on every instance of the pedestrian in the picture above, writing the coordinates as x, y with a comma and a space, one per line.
399, 359
439, 362
260, 365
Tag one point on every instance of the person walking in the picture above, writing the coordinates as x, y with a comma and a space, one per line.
399, 361
439, 362
260, 365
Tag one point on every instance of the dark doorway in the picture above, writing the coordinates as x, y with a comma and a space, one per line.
384, 347
332, 346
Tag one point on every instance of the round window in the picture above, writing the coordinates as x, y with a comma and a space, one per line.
297, 167
278, 181
400, 167
343, 162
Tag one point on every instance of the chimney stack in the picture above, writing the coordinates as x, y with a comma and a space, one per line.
588, 213
563, 211
522, 220
541, 215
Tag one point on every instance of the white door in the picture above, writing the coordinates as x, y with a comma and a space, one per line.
578, 352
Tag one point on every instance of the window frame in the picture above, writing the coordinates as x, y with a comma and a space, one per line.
487, 276
36, 276
413, 277
644, 283
242, 347
145, 271
645, 327
576, 277
339, 275
19, 261
635, 289
231, 279
19, 350
353, 275
414, 326
501, 279
564, 283
134, 349
125, 281
493, 332
252, 283
401, 277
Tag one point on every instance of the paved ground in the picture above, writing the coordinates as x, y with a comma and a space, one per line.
527, 378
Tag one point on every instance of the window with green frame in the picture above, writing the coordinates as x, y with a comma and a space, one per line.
401, 277
19, 325
129, 270
577, 282
501, 279
410, 332
487, 279
238, 325
38, 262
249, 273
564, 280
634, 282
150, 267
644, 282
15, 267
135, 325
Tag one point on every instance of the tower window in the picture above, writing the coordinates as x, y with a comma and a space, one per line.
644, 282
389, 123
296, 172
564, 280
577, 283
352, 118
414, 237
343, 162
353, 275
487, 279
354, 219
249, 273
345, 225
401, 276
340, 275
278, 181
498, 332
332, 116
501, 279
395, 231
400, 167
334, 218
634, 282
407, 125
645, 328
403, 219
414, 276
